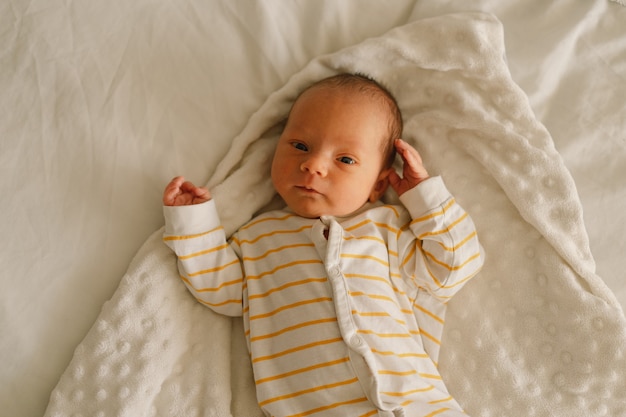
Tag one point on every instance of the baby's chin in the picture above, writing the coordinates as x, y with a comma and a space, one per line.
316, 214
314, 207
308, 214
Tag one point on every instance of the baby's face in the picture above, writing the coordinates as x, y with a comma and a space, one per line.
329, 158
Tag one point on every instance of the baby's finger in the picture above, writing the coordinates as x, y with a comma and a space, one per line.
394, 179
187, 186
170, 194
172, 190
414, 169
409, 154
202, 192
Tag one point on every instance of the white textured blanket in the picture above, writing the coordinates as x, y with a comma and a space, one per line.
535, 334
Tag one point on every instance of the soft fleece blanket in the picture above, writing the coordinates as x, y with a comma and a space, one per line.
536, 333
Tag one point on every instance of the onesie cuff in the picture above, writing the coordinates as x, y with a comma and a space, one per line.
427, 195
189, 220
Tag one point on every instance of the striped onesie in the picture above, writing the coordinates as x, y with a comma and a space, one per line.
343, 316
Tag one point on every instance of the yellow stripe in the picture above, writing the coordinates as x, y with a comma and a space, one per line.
378, 314
435, 213
264, 235
212, 289
211, 270
368, 221
279, 249
385, 335
232, 301
330, 406
407, 373
402, 394
291, 328
434, 413
392, 208
266, 219
443, 400
379, 297
204, 252
430, 336
374, 296
430, 376
403, 229
283, 266
379, 279
285, 286
423, 310
290, 306
297, 349
446, 230
372, 258
450, 267
374, 238
458, 245
397, 373
302, 370
409, 256
457, 283
369, 277
185, 237
308, 391
401, 355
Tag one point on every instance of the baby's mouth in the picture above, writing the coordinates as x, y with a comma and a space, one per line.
307, 189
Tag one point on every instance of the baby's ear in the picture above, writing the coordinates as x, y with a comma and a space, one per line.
380, 186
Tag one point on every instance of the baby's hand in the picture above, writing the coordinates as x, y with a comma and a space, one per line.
183, 193
413, 171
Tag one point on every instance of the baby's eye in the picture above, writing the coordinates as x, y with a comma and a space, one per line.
347, 160
300, 146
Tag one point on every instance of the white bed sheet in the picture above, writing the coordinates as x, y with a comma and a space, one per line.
103, 102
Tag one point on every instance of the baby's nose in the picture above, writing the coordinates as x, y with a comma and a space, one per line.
315, 165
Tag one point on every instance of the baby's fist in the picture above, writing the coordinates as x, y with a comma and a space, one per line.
183, 193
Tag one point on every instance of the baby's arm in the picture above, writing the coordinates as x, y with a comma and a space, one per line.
183, 193
447, 252
208, 266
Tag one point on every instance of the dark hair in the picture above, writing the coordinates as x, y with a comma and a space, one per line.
363, 84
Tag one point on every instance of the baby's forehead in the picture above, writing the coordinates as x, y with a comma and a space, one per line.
363, 91
369, 95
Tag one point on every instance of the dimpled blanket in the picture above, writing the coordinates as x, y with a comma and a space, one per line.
536, 333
